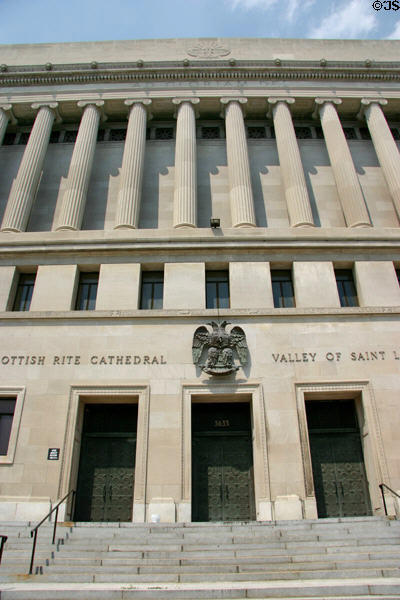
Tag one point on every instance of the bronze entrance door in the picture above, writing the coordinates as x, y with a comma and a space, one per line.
340, 482
107, 463
222, 465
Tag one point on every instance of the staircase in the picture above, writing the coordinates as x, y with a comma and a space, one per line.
354, 558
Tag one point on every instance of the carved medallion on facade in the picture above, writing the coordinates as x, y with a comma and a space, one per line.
208, 50
215, 351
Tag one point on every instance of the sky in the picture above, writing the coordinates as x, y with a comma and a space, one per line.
40, 21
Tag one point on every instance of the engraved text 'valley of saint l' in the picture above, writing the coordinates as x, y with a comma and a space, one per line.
220, 345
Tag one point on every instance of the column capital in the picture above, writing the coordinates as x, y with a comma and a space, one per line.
226, 101
366, 102
53, 106
273, 101
319, 102
8, 110
145, 102
239, 99
131, 101
96, 103
179, 101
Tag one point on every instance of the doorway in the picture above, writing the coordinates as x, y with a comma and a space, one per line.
340, 481
222, 462
107, 463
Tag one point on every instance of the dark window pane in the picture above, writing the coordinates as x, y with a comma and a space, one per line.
24, 137
282, 289
398, 275
117, 135
7, 407
303, 133
395, 133
364, 131
9, 139
256, 132
164, 133
319, 132
217, 289
350, 133
70, 136
210, 133
346, 288
24, 291
152, 290
100, 135
87, 291
54, 137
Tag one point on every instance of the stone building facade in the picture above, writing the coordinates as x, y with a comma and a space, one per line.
199, 279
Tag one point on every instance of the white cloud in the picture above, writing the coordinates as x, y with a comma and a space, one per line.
351, 19
290, 9
395, 35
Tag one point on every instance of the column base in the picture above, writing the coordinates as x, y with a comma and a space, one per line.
10, 230
244, 225
189, 225
66, 228
124, 226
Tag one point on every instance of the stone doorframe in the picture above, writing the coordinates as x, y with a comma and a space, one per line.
370, 434
220, 392
81, 395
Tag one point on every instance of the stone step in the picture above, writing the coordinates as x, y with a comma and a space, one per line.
285, 590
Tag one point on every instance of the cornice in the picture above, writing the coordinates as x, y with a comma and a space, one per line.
359, 313
113, 243
65, 74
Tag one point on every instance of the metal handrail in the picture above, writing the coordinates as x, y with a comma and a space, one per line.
34, 531
3, 538
382, 485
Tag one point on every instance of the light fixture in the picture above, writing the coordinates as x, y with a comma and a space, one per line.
214, 223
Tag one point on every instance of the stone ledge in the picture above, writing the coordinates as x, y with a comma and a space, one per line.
276, 313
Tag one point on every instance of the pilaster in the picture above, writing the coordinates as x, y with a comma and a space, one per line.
348, 187
4, 118
130, 191
385, 146
24, 187
77, 183
240, 191
185, 186
294, 183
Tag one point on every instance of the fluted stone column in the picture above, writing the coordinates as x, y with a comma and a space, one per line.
130, 190
185, 184
348, 187
385, 147
4, 118
240, 192
292, 173
24, 187
77, 182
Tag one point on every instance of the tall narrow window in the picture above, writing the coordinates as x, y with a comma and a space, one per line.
7, 407
282, 289
217, 289
398, 275
346, 287
24, 291
152, 290
87, 291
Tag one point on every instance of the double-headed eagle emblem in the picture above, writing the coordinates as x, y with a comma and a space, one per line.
220, 346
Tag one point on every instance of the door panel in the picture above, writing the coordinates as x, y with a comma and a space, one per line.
107, 464
339, 475
222, 478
